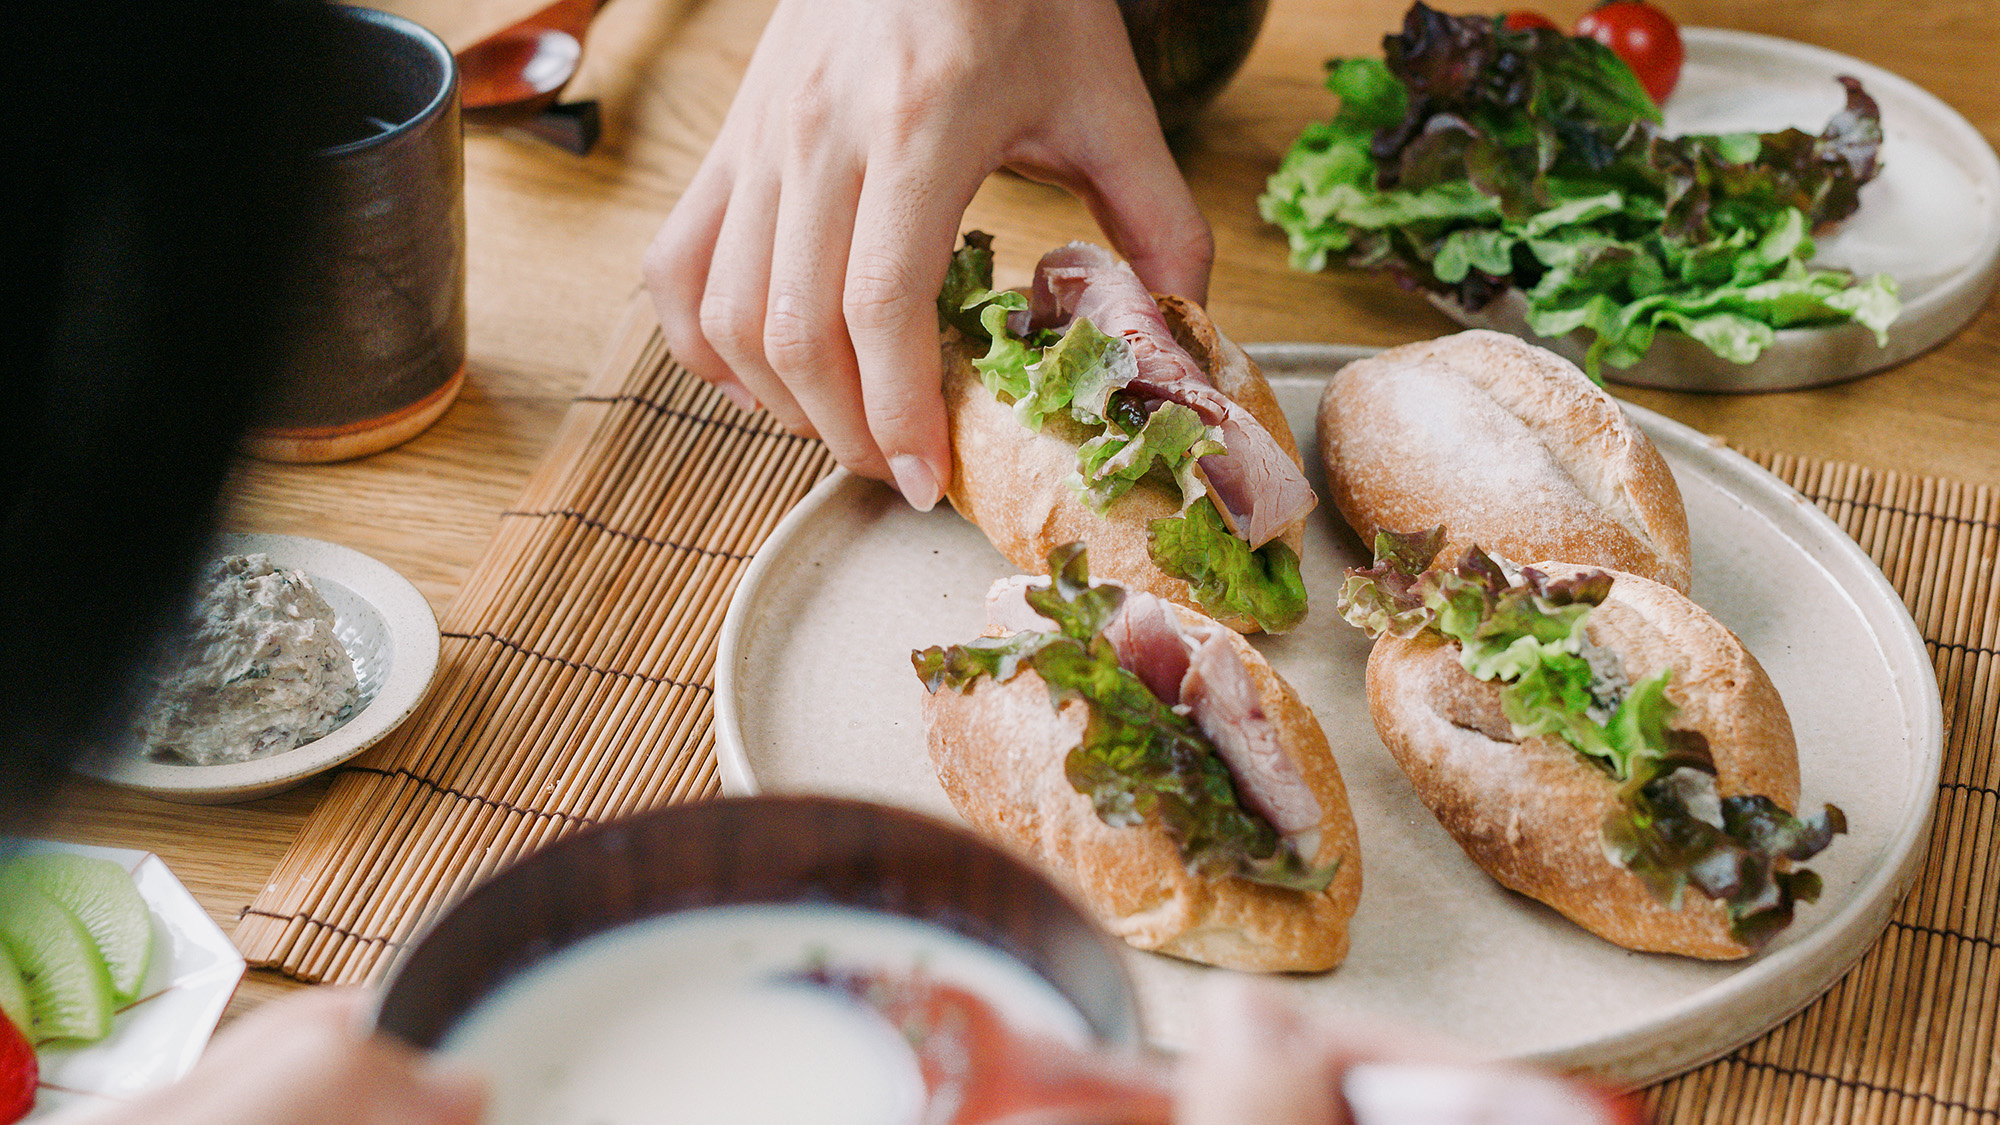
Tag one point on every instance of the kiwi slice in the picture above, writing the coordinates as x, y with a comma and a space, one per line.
13, 992
69, 990
102, 896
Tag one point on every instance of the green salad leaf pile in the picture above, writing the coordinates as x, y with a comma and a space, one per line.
1080, 375
1671, 828
1473, 158
1139, 759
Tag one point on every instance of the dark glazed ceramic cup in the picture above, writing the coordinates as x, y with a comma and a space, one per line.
778, 849
373, 346
1188, 50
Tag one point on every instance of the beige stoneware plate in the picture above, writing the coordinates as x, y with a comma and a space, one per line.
1931, 219
389, 632
815, 693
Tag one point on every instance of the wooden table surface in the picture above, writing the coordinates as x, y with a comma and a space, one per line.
555, 241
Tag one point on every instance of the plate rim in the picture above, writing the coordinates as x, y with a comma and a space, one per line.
1778, 983
1929, 320
415, 646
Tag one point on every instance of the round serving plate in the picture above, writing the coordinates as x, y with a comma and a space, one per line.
816, 694
389, 632
1930, 219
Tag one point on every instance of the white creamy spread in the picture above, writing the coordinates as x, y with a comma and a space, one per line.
697, 1017
260, 670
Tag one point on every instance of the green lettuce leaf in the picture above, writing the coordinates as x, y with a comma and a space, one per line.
1139, 761
1229, 579
1532, 160
1173, 437
1074, 376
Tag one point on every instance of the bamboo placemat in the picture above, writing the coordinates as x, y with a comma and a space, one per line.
576, 685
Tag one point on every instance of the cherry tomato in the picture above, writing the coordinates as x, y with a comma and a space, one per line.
1521, 21
18, 1072
1644, 37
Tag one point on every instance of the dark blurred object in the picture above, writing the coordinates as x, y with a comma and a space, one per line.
823, 851
513, 77
1188, 50
155, 182
374, 318
570, 126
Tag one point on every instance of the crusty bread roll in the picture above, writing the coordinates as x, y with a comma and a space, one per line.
1505, 445
999, 751
1008, 480
1530, 811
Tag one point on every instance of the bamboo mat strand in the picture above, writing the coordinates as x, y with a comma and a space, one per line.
577, 682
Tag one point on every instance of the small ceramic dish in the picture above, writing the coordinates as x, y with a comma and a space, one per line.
388, 631
156, 1038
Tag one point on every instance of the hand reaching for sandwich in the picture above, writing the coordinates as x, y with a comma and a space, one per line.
800, 268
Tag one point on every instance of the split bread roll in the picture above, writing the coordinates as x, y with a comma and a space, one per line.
1016, 483
1505, 445
1000, 751
1530, 811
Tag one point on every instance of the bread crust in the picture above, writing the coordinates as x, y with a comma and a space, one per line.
1529, 811
1505, 445
1008, 480
999, 750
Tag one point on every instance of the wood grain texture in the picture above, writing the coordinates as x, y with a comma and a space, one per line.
554, 246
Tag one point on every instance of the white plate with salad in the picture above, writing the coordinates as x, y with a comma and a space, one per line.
816, 693
1929, 219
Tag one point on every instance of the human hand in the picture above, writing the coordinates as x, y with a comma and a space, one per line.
801, 266
301, 1061
1256, 1057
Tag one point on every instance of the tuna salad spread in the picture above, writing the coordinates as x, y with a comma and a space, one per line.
260, 670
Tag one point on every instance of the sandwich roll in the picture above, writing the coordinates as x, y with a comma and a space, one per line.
1504, 445
1096, 760
1659, 813
1092, 411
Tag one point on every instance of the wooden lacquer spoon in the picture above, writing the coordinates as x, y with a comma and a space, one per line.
514, 76
980, 1070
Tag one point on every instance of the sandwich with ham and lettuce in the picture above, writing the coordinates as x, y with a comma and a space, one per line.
1090, 410
1592, 739
1151, 760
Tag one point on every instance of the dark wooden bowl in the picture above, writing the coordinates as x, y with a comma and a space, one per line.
1188, 50
754, 850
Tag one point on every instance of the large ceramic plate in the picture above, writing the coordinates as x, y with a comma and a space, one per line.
816, 694
1931, 219
389, 632
156, 1038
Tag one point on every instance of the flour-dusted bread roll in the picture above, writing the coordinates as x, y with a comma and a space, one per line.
1009, 753
1550, 821
1016, 470
1505, 445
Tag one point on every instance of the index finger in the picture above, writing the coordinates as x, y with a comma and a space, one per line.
904, 230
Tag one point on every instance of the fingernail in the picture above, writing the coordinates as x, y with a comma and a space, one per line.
739, 396
915, 480
1383, 1093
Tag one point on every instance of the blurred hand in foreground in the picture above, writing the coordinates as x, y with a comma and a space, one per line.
1257, 1058
302, 1061
800, 268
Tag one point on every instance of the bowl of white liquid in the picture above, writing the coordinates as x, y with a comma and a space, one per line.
659, 968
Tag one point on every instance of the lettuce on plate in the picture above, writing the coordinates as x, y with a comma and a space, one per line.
1472, 159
